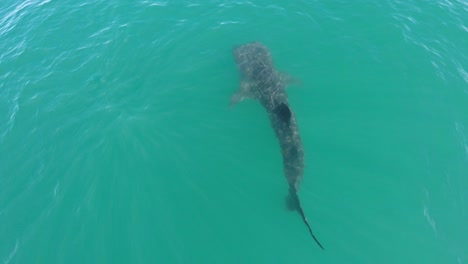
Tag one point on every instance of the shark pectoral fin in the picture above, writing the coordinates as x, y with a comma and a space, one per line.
236, 98
287, 79
242, 94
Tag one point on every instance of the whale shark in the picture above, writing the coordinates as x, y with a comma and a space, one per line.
260, 80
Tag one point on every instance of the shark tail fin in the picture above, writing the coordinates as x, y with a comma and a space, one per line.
294, 203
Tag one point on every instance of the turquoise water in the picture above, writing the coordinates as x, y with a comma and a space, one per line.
117, 143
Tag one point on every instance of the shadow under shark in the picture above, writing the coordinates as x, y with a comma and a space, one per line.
261, 81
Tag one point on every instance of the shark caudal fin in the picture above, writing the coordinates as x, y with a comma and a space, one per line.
293, 203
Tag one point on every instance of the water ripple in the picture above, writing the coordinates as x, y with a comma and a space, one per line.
462, 137
12, 253
154, 3
13, 108
420, 27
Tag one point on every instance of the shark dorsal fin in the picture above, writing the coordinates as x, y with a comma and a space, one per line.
283, 112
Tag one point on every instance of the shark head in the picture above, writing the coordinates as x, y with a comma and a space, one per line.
252, 58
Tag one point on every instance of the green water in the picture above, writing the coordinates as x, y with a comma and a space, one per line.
117, 143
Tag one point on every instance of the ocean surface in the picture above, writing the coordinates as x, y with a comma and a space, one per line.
118, 145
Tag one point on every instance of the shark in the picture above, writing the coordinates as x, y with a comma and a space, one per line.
260, 80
